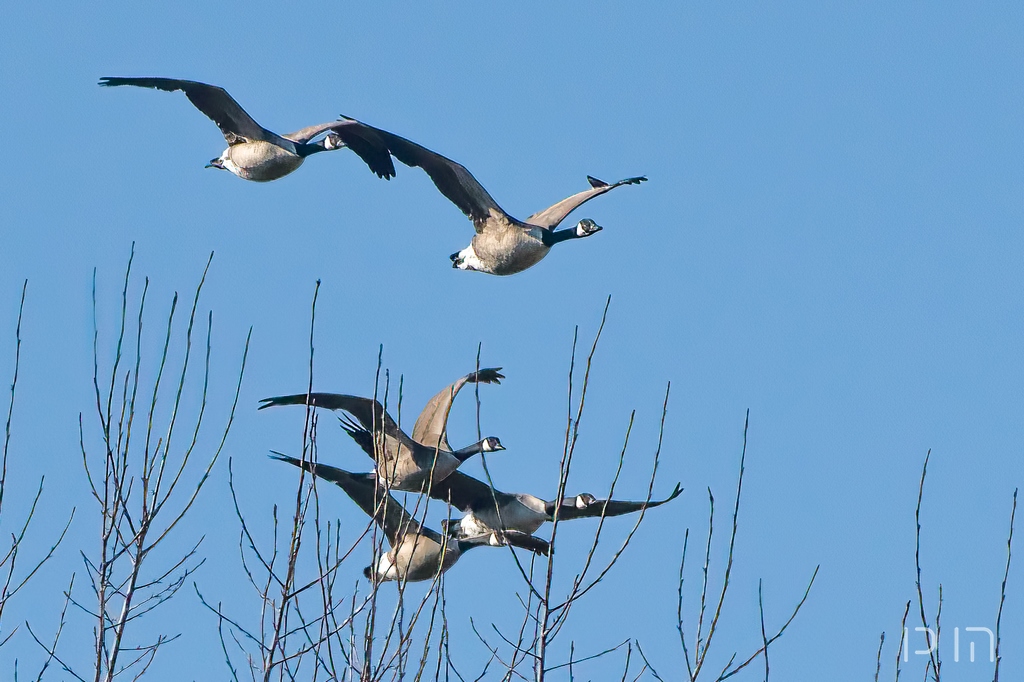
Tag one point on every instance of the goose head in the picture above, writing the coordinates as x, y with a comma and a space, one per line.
587, 227
216, 163
333, 141
386, 569
584, 500
491, 444
467, 260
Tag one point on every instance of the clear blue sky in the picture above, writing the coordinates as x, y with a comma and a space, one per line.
831, 237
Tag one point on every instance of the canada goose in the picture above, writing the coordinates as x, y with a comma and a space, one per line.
409, 464
255, 153
417, 552
502, 245
520, 511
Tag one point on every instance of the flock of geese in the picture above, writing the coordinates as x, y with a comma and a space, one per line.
503, 245
422, 462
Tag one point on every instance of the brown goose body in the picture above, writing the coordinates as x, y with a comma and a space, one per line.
417, 553
503, 245
403, 463
257, 154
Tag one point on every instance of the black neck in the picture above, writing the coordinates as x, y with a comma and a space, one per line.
567, 502
551, 238
464, 545
305, 150
468, 451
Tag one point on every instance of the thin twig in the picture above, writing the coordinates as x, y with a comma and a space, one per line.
1002, 589
878, 656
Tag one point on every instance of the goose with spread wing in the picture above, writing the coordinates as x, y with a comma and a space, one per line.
417, 552
403, 463
503, 245
255, 153
488, 509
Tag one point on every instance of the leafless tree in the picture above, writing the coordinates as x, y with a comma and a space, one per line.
696, 659
527, 646
144, 476
933, 628
307, 626
12, 578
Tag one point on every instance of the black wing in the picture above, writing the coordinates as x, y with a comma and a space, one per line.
464, 492
451, 178
369, 412
393, 519
509, 537
611, 507
526, 541
213, 101
360, 138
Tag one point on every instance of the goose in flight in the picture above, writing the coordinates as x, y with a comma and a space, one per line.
255, 153
405, 463
417, 552
520, 511
502, 245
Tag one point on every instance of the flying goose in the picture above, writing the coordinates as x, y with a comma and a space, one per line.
255, 153
520, 511
408, 464
502, 245
417, 552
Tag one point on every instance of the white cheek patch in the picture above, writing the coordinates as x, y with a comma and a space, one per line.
468, 259
470, 526
231, 166
386, 567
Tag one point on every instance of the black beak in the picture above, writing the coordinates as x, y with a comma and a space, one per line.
215, 163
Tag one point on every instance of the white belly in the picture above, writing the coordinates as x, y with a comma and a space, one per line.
514, 516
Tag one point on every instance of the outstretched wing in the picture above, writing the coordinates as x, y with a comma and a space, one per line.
526, 541
306, 134
432, 424
213, 101
451, 178
549, 218
362, 437
611, 507
360, 138
391, 516
367, 411
509, 537
463, 492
